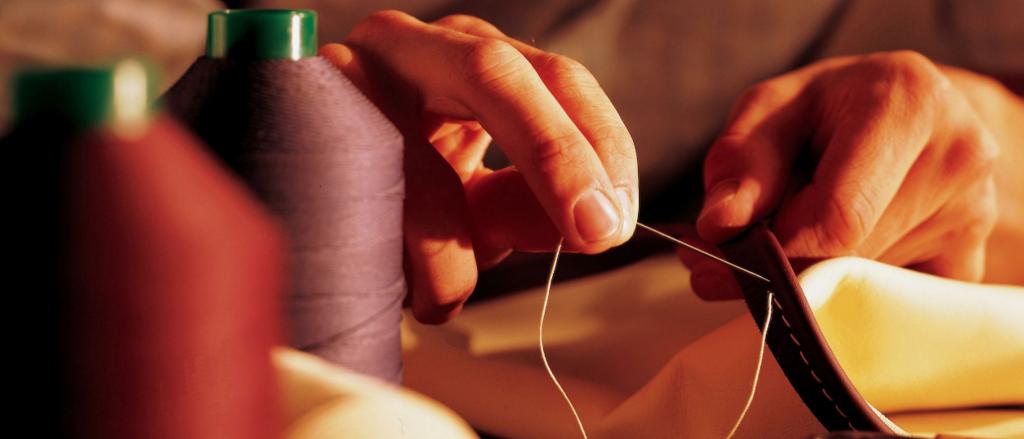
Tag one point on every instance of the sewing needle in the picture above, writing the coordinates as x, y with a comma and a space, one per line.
701, 251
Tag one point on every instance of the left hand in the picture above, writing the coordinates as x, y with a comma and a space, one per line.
902, 168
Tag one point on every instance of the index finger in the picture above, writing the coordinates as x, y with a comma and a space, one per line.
490, 80
590, 109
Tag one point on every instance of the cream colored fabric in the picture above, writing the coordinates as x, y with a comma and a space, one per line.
641, 357
319, 400
910, 341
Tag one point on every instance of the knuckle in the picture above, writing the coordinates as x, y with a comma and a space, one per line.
386, 16
908, 58
616, 134
463, 22
907, 71
458, 21
377, 22
986, 148
905, 62
844, 223
556, 153
979, 227
973, 154
561, 65
490, 59
758, 98
970, 234
982, 216
765, 93
567, 74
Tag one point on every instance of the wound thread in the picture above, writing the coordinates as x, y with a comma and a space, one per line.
329, 165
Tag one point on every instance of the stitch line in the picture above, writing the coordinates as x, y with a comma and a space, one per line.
835, 405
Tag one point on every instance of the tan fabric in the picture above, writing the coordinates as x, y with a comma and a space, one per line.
320, 400
642, 357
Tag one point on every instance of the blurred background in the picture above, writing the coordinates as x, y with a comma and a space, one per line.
672, 68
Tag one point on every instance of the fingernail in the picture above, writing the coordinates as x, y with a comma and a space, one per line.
721, 193
626, 204
596, 216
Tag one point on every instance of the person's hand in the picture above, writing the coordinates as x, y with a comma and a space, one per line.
451, 85
878, 156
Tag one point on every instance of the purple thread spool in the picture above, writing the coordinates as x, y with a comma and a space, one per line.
326, 161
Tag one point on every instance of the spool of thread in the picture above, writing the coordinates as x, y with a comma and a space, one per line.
326, 162
166, 275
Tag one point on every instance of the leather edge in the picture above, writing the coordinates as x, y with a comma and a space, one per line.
794, 337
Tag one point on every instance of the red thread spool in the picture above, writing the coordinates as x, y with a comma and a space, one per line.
171, 272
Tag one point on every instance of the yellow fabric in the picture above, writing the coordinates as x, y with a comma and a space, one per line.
911, 341
976, 423
641, 357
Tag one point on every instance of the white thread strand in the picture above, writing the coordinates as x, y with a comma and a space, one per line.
757, 371
540, 332
702, 252
760, 353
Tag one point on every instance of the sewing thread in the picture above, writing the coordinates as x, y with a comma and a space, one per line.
757, 370
558, 385
328, 165
540, 337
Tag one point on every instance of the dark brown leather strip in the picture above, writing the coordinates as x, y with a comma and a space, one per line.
794, 338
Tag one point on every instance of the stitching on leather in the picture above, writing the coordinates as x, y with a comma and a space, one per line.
799, 349
793, 337
783, 317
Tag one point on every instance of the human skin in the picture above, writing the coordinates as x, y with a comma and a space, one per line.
900, 156
450, 86
907, 162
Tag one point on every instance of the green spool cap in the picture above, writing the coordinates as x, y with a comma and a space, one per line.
261, 34
87, 97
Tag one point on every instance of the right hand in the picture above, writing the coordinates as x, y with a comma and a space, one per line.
449, 86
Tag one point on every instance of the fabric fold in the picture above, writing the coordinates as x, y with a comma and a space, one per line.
642, 357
